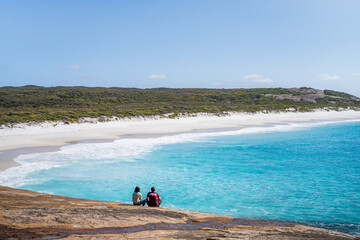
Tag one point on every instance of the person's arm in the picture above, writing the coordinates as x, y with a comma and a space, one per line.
147, 198
140, 197
134, 198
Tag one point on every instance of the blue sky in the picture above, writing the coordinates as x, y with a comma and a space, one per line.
188, 43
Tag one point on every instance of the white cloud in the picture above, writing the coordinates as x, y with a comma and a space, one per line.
217, 84
258, 78
329, 77
157, 76
75, 67
356, 74
86, 78
3, 67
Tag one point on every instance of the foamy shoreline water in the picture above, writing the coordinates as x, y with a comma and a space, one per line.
43, 136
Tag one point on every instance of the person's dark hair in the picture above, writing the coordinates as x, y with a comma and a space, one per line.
153, 189
137, 189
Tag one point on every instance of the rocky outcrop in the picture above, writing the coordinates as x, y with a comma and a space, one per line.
308, 95
31, 215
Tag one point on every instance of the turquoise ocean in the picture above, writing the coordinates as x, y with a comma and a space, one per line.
304, 173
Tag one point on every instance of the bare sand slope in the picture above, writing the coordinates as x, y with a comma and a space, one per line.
31, 215
51, 134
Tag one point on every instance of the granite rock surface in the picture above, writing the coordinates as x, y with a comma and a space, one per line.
31, 215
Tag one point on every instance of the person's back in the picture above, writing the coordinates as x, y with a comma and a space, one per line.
137, 197
153, 198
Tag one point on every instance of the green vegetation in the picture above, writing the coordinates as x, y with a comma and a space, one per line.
36, 104
338, 94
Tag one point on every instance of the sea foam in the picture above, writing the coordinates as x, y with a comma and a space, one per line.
126, 149
272, 172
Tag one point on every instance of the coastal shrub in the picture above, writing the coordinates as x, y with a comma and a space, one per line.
35, 103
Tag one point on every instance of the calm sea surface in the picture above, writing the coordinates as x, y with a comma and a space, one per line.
308, 174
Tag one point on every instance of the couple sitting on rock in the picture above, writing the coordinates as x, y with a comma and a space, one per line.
152, 199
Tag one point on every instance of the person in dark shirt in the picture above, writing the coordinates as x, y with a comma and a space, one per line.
153, 199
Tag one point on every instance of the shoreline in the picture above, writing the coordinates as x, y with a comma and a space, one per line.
26, 213
228, 124
50, 138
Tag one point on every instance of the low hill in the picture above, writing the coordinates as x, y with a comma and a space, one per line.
37, 104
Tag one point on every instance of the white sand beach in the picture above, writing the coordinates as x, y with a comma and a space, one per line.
23, 139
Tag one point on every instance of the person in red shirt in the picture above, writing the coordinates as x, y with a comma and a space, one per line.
153, 198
